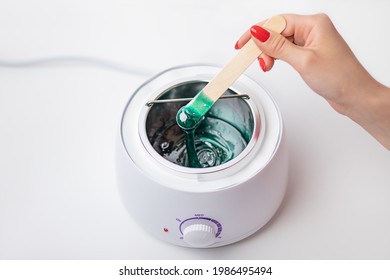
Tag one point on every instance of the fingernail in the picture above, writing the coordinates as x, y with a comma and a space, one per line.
236, 46
262, 64
260, 33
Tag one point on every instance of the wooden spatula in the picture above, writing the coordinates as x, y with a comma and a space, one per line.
189, 116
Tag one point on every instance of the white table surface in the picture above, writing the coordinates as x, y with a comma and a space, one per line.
58, 125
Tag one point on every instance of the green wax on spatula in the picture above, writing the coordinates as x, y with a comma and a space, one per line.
189, 116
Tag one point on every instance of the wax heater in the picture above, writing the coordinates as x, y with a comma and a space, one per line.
240, 146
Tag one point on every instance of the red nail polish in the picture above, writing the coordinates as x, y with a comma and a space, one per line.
260, 33
236, 46
262, 64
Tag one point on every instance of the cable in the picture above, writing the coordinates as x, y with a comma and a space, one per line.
83, 59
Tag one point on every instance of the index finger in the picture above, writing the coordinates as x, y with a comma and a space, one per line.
298, 28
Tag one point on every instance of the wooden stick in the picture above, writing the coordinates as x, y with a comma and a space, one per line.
189, 116
243, 59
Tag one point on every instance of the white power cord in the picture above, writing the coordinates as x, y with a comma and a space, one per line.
120, 67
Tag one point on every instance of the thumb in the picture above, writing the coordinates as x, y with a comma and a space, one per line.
277, 46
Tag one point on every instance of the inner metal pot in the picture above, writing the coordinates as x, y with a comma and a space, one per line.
222, 136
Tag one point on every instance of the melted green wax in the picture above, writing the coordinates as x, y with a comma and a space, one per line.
193, 160
201, 137
189, 116
212, 143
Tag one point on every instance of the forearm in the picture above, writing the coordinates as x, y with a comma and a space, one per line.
371, 110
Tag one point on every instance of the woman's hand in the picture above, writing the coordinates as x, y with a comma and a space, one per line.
314, 48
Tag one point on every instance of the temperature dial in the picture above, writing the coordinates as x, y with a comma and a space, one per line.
199, 235
200, 231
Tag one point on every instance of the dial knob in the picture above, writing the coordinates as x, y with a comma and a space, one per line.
199, 235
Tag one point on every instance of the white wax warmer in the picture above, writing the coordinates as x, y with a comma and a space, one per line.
200, 207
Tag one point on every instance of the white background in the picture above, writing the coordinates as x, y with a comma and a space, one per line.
59, 122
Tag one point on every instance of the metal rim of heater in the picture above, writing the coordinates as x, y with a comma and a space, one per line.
140, 151
258, 131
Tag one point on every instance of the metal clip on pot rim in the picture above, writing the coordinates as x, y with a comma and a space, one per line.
159, 101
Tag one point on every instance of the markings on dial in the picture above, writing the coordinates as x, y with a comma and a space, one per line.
218, 224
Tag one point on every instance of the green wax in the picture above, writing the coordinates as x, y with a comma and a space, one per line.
193, 160
189, 116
